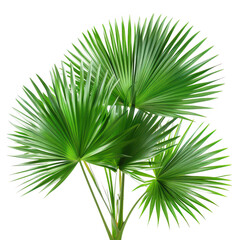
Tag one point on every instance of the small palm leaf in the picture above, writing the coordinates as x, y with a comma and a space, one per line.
178, 182
64, 125
158, 72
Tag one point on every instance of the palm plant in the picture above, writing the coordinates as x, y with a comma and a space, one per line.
117, 106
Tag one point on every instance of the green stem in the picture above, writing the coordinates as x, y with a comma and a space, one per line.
121, 184
130, 212
114, 224
96, 184
112, 202
95, 200
119, 237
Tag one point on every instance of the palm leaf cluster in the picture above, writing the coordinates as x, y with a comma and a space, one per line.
70, 123
116, 106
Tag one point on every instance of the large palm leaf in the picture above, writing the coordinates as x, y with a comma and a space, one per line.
180, 178
64, 125
157, 70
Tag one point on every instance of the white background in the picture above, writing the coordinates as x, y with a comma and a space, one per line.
34, 35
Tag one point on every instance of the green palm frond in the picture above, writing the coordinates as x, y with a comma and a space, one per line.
64, 125
157, 69
180, 178
146, 140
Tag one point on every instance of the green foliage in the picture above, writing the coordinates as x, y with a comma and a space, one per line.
71, 123
178, 180
157, 70
109, 109
64, 125
145, 141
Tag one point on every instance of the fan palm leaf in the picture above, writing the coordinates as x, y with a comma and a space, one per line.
64, 125
147, 139
179, 181
157, 69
